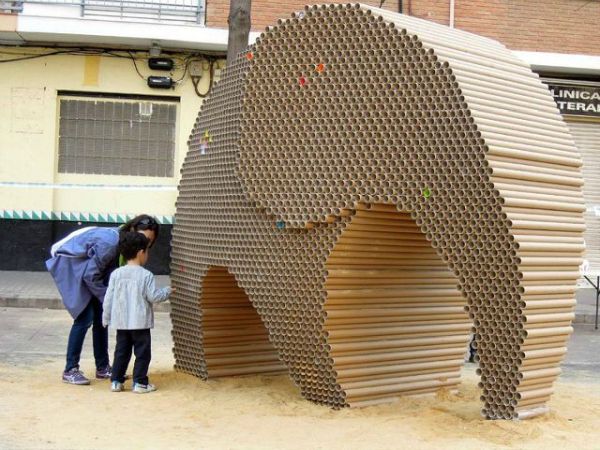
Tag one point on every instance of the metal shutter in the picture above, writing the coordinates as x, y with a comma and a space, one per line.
587, 138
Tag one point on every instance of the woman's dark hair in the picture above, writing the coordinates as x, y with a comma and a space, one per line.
131, 242
140, 223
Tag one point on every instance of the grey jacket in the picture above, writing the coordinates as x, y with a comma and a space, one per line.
129, 297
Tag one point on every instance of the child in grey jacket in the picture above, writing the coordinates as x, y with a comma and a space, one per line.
128, 309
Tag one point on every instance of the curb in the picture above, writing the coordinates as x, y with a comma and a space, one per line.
55, 303
585, 318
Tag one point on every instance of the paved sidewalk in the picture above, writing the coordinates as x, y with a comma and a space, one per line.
37, 290
32, 336
585, 311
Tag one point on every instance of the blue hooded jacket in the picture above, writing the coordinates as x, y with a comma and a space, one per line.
82, 265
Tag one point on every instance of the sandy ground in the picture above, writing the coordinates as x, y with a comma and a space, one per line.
38, 411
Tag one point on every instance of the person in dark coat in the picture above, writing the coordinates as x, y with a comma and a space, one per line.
80, 265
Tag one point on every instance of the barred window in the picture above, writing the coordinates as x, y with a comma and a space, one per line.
114, 136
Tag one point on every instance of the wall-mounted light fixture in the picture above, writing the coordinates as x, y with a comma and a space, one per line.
160, 82
160, 63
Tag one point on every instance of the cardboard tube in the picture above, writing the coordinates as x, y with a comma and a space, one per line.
533, 305
397, 330
348, 374
548, 318
547, 381
266, 368
549, 275
535, 393
543, 332
540, 373
543, 342
390, 312
533, 412
379, 391
341, 361
341, 348
540, 363
388, 381
394, 398
562, 261
384, 293
389, 273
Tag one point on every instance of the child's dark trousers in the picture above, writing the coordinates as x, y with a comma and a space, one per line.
141, 342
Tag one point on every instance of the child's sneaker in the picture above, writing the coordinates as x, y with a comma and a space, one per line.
143, 388
75, 376
104, 373
115, 386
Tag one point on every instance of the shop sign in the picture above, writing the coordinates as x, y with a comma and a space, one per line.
577, 100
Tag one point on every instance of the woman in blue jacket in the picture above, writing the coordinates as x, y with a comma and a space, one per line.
81, 264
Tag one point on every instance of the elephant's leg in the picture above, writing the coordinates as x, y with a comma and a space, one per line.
234, 338
186, 317
396, 323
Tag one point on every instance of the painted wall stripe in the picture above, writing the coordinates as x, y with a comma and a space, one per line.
72, 216
127, 187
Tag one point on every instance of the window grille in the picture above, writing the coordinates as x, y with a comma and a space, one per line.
184, 11
117, 136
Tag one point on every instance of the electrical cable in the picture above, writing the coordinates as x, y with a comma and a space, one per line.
196, 80
135, 65
28, 57
187, 60
182, 64
77, 52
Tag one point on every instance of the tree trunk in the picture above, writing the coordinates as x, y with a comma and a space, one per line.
239, 28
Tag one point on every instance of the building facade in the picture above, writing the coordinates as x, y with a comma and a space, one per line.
94, 130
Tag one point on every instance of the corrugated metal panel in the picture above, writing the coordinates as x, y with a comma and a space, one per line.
587, 139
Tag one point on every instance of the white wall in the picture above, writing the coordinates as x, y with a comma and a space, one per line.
28, 136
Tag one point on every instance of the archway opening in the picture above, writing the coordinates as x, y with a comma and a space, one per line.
396, 323
235, 339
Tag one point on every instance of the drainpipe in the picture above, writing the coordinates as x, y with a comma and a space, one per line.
451, 14
400, 6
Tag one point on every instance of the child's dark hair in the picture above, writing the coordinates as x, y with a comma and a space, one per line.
131, 242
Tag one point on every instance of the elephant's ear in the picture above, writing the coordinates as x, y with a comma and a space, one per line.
336, 108
298, 189
309, 106
292, 162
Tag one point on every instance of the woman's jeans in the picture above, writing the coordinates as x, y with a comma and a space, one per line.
91, 316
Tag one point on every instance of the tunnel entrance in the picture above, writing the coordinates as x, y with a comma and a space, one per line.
235, 339
395, 322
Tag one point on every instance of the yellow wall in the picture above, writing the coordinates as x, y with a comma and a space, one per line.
28, 135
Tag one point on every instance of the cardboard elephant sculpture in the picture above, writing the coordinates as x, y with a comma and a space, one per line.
362, 189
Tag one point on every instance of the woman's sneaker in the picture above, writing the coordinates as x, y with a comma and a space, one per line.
104, 373
74, 376
115, 386
143, 388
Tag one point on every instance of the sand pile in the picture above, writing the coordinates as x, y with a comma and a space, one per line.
258, 412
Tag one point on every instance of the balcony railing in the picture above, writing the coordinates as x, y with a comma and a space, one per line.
137, 10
